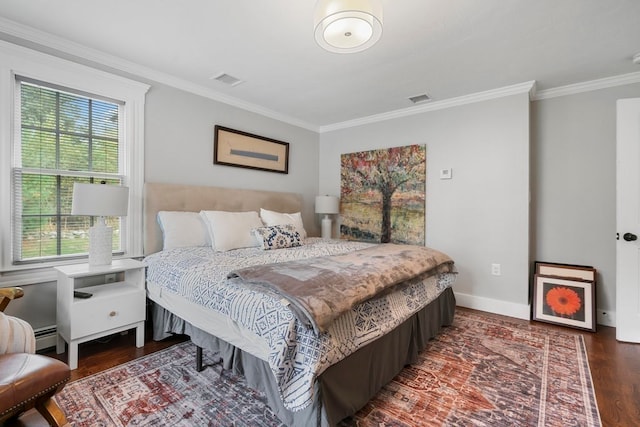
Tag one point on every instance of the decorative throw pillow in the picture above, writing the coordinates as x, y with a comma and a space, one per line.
278, 237
277, 218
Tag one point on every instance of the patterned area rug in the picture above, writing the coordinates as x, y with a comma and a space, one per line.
481, 371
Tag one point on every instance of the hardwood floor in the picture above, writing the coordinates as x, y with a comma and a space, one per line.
615, 368
101, 354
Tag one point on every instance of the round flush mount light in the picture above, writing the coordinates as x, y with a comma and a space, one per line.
347, 26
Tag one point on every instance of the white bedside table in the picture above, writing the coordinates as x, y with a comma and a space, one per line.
114, 307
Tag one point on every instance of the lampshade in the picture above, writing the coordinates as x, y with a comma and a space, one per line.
327, 205
347, 26
99, 200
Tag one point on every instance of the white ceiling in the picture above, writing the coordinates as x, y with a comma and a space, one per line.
445, 48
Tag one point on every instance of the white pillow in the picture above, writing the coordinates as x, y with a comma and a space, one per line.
232, 230
271, 218
181, 229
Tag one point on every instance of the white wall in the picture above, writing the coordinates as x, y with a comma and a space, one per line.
479, 217
179, 147
573, 181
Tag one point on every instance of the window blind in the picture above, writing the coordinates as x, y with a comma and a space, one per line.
62, 137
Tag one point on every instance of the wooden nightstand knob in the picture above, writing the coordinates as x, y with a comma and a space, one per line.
112, 314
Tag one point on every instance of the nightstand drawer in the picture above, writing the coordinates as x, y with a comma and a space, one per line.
102, 313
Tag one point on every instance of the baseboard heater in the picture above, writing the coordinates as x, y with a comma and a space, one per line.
46, 337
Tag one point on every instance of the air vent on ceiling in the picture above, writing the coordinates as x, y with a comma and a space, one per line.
227, 79
419, 98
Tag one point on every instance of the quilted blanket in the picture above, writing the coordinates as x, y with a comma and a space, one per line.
322, 289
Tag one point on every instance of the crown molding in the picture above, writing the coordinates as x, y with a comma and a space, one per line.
527, 87
19, 51
572, 89
92, 57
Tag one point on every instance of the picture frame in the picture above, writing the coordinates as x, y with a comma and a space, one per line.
571, 271
564, 301
245, 150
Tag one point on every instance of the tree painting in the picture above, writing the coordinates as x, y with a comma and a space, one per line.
382, 195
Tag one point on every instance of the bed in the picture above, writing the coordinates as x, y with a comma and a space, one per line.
316, 363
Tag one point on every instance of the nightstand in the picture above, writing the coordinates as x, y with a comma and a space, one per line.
117, 303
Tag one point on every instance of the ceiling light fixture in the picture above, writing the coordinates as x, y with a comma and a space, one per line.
347, 26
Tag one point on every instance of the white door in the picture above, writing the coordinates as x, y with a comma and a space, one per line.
628, 220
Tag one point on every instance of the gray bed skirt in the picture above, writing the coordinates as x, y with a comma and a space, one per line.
343, 388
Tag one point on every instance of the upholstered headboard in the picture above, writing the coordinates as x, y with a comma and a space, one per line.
177, 197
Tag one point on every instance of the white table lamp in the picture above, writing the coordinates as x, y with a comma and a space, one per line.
327, 205
100, 200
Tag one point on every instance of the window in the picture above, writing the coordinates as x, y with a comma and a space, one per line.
63, 122
64, 138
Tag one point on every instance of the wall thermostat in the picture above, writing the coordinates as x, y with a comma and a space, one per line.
446, 173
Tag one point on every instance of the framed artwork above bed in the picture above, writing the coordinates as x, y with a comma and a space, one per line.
245, 150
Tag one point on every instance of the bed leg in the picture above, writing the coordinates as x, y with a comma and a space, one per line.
198, 358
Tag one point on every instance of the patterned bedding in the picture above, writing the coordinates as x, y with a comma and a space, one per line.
297, 354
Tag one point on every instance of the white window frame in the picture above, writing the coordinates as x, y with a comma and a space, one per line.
17, 60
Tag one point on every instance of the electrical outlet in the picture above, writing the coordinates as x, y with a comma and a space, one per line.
110, 278
495, 269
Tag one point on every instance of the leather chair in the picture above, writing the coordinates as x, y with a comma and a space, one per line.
27, 380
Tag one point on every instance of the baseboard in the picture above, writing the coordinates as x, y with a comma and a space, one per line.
46, 337
520, 311
606, 317
506, 308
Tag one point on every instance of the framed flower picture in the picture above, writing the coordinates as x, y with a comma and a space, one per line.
564, 301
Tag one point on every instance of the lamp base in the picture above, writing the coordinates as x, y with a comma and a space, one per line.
100, 243
326, 227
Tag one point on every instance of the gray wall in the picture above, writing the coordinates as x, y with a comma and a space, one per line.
574, 184
479, 217
179, 147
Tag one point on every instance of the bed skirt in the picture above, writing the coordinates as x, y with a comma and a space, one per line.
343, 388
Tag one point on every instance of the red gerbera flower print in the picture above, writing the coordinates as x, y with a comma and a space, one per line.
563, 301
